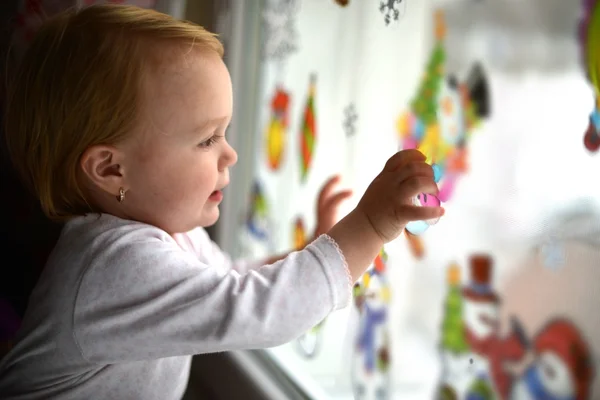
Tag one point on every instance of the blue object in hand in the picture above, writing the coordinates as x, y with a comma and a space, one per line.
437, 172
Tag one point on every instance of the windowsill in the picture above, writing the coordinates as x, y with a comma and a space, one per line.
296, 373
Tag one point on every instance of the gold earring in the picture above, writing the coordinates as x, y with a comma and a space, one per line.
121, 195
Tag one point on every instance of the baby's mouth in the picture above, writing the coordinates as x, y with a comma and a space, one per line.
216, 195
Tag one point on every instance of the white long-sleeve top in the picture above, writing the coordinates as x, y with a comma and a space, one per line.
121, 306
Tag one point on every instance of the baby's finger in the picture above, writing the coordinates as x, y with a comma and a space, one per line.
416, 185
327, 189
403, 157
416, 213
336, 199
414, 169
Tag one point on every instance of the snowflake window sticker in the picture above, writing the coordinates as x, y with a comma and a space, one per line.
391, 10
281, 36
553, 255
551, 251
350, 118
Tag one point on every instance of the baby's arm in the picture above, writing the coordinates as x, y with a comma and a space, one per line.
142, 297
147, 299
198, 242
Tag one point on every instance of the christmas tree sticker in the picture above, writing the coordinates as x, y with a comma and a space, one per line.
453, 336
308, 132
425, 103
481, 389
447, 393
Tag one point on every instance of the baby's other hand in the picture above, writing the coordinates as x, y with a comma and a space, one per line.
328, 204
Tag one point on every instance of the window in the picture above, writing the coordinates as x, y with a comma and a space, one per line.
529, 200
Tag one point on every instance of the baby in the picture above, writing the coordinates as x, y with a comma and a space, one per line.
116, 120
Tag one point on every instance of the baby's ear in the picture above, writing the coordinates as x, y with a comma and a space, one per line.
100, 165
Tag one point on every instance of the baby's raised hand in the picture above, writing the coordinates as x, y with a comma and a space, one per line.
388, 201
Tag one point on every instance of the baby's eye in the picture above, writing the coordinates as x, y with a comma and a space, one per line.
210, 141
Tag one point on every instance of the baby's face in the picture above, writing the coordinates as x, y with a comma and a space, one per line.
178, 163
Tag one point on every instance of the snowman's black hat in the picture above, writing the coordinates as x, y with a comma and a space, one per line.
478, 88
480, 288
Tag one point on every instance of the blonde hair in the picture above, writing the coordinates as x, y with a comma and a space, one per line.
77, 86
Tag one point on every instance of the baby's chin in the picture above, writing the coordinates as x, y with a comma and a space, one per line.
187, 221
210, 216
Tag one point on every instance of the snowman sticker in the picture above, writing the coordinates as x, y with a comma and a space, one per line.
372, 358
456, 355
481, 323
256, 237
562, 370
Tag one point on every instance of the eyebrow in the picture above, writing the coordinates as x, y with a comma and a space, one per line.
208, 123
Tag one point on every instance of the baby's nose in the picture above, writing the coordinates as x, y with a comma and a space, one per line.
232, 156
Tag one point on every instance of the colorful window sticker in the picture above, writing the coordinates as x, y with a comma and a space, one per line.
439, 123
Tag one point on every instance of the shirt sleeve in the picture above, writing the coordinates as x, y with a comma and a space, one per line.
148, 299
198, 242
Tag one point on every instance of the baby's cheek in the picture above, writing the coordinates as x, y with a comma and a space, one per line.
202, 183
